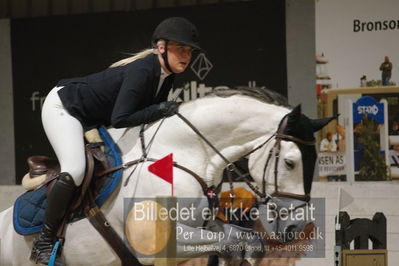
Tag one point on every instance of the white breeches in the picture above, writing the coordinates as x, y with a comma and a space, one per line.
65, 134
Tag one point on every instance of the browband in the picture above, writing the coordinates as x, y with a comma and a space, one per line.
294, 139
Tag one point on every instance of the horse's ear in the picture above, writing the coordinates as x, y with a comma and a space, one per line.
318, 124
293, 119
295, 114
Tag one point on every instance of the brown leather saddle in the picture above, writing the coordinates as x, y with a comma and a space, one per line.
96, 163
43, 165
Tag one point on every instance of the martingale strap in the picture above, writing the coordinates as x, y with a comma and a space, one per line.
204, 186
209, 191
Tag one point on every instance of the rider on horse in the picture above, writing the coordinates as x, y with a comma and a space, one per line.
131, 92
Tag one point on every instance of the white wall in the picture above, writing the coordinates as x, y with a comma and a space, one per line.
354, 54
300, 42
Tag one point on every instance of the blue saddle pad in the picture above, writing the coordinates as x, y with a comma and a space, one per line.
29, 208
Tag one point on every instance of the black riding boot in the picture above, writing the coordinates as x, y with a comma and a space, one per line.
57, 203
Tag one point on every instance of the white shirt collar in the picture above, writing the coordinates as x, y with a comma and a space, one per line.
161, 79
163, 74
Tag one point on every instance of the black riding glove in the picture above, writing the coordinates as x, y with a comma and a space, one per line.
169, 108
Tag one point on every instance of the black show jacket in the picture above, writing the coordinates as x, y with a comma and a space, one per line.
121, 96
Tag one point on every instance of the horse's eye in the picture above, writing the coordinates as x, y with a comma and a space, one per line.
290, 164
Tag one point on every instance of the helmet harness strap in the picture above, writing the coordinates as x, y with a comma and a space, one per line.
165, 57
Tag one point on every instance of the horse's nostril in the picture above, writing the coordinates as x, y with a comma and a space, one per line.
290, 233
290, 228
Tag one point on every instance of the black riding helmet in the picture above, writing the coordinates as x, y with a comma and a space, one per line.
176, 29
179, 30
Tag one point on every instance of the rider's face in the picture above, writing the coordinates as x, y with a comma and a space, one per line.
179, 56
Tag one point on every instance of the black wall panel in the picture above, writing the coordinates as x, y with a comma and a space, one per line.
244, 41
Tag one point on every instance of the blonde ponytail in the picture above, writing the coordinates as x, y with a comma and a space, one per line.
139, 55
134, 57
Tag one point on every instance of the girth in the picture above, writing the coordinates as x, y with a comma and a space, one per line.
204, 186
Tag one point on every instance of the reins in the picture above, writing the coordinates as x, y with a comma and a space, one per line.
209, 191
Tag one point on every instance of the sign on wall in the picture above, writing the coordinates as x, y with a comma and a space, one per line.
370, 107
331, 163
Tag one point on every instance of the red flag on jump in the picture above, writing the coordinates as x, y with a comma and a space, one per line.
163, 168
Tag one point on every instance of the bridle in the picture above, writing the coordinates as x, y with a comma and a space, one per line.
231, 167
279, 136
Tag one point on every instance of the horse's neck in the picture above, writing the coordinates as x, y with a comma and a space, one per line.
237, 120
234, 125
